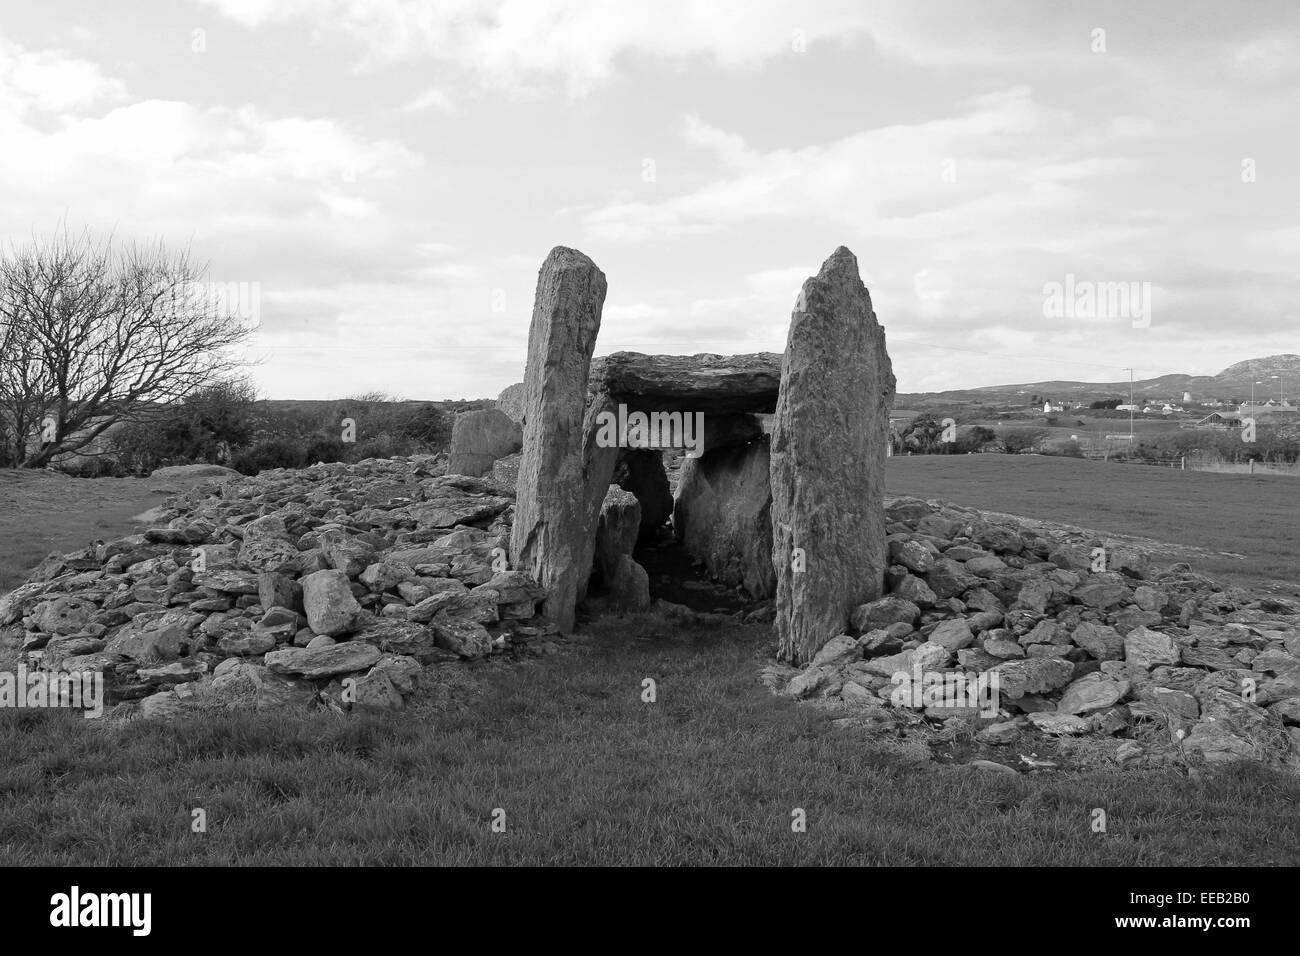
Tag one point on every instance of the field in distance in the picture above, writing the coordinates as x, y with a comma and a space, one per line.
1236, 528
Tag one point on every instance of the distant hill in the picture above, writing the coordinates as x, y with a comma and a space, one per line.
1232, 383
339, 405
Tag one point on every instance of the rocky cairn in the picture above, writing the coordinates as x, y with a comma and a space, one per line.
335, 585
1161, 665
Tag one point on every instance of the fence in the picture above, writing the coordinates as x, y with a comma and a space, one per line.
1214, 466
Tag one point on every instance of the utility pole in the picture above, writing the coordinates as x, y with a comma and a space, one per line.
1130, 407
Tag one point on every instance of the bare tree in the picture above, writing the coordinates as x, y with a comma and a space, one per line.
96, 334
375, 396
24, 386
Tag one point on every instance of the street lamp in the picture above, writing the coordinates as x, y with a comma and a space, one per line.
1252, 392
1280, 399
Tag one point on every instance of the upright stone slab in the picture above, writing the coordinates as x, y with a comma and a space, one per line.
828, 460
511, 402
722, 514
481, 438
598, 461
551, 520
641, 471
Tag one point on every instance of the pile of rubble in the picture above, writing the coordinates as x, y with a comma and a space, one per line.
331, 585
1080, 635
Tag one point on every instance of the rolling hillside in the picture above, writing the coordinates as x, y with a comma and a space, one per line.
1232, 383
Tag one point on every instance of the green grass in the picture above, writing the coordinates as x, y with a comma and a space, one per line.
589, 774
1253, 516
42, 512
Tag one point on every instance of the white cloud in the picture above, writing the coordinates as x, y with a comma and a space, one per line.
1265, 55
52, 81
513, 45
1000, 152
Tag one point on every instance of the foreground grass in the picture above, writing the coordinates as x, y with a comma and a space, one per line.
1247, 524
589, 774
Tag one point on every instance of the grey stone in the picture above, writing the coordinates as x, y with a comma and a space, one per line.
479, 438
329, 603
1146, 648
722, 515
830, 506
346, 657
551, 511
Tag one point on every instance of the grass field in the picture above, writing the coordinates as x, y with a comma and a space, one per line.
1248, 526
44, 511
586, 772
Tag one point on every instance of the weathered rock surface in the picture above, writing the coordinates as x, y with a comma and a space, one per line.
171, 607
511, 402
192, 473
722, 515
706, 382
616, 530
628, 586
479, 438
346, 657
331, 608
625, 583
551, 494
828, 460
1167, 664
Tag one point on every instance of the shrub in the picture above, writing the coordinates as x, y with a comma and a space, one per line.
1017, 440
272, 453
325, 448
98, 467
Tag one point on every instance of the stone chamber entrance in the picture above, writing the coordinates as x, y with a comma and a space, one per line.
782, 468
675, 572
704, 535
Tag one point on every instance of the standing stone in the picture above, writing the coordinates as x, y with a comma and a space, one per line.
616, 530
828, 460
550, 509
628, 587
511, 402
598, 463
480, 438
723, 515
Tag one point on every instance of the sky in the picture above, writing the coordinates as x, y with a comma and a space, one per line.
384, 178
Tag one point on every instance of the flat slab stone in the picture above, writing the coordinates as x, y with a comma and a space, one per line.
706, 382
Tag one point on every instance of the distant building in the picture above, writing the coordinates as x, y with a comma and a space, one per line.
1219, 420
1266, 407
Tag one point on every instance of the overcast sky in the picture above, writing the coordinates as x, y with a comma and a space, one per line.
392, 177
